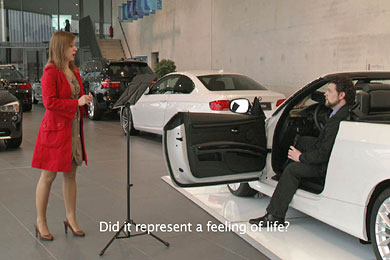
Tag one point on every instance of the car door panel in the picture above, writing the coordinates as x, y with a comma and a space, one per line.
205, 149
149, 110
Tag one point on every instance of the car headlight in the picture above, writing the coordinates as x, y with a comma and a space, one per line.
10, 107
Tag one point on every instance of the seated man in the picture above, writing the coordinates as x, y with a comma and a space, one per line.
312, 160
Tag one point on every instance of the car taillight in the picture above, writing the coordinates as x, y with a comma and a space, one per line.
279, 102
25, 86
152, 83
108, 84
219, 105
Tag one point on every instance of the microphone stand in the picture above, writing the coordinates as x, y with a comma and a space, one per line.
129, 222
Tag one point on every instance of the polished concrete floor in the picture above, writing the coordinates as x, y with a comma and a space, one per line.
102, 197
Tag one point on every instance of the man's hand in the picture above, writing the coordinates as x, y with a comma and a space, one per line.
293, 154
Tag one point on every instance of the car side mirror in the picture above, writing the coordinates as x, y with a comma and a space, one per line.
239, 106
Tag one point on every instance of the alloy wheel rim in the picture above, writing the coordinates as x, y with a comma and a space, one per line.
382, 229
91, 108
234, 186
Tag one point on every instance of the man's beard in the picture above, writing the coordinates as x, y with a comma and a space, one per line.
332, 105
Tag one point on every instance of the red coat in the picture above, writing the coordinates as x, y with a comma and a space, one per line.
53, 147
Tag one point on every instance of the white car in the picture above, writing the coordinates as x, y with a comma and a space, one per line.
196, 91
202, 149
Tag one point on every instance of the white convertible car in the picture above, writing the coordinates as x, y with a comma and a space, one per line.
205, 149
194, 91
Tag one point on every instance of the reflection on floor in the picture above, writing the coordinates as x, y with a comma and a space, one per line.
304, 238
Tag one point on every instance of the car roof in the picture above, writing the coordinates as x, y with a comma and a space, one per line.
197, 73
7, 66
117, 61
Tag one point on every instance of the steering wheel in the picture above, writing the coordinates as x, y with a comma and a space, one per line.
320, 116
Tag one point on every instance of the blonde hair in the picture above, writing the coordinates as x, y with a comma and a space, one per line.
59, 43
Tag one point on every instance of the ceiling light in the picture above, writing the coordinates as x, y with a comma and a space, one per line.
77, 14
77, 4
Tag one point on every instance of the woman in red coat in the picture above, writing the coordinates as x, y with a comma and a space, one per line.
60, 142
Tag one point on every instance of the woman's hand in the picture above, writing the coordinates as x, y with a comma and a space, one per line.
85, 100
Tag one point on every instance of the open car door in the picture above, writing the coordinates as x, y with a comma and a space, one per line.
207, 149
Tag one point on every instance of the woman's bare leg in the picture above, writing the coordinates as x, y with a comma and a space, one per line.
42, 199
69, 189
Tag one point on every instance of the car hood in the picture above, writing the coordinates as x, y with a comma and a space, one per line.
6, 97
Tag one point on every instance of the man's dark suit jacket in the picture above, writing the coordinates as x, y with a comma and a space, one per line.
320, 150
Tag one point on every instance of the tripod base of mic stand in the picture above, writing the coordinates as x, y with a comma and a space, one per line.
127, 234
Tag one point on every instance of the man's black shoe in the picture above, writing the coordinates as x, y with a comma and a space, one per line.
267, 220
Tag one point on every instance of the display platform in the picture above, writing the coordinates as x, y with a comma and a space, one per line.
304, 239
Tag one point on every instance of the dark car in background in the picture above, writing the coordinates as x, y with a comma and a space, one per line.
107, 80
10, 119
18, 85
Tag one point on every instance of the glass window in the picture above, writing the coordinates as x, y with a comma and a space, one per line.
165, 85
9, 74
184, 85
229, 82
128, 70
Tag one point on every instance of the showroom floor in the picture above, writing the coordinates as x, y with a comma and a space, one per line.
102, 197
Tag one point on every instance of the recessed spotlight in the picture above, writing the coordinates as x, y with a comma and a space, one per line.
77, 4
77, 14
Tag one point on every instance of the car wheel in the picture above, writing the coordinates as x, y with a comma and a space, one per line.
380, 225
241, 189
13, 143
27, 107
34, 100
125, 119
94, 112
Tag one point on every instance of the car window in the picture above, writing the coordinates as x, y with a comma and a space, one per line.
88, 67
184, 85
165, 85
229, 82
127, 69
10, 74
317, 96
97, 66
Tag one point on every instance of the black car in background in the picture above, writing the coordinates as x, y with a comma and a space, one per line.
18, 85
107, 80
10, 119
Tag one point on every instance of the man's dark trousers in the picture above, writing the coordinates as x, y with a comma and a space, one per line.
288, 185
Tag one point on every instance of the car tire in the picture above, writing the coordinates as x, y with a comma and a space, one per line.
380, 224
13, 143
241, 189
126, 118
34, 100
27, 107
94, 113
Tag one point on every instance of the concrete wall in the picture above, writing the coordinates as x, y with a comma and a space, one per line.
282, 44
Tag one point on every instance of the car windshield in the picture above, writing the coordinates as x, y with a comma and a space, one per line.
10, 74
227, 82
126, 70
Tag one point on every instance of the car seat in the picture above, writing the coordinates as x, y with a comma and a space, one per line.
217, 86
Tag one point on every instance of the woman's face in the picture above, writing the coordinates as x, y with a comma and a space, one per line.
70, 53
